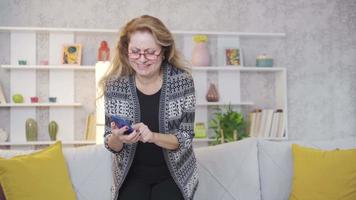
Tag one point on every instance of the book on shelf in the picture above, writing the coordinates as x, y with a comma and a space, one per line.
281, 124
2, 95
253, 122
266, 123
274, 124
90, 131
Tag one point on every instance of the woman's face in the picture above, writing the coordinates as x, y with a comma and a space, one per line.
145, 55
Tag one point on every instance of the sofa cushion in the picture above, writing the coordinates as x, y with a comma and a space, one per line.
276, 163
228, 171
320, 174
90, 171
39, 175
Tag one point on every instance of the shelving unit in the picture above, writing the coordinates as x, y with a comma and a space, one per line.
231, 80
50, 67
61, 84
40, 105
227, 78
38, 143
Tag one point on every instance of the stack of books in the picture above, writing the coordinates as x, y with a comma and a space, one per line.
267, 123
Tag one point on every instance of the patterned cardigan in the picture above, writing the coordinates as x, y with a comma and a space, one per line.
176, 116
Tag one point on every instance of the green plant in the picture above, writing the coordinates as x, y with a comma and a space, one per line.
230, 122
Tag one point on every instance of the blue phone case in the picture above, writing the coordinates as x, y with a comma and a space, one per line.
120, 122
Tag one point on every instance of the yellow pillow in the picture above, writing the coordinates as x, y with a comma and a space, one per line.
41, 175
323, 175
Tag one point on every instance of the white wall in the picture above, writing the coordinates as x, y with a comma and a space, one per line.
319, 51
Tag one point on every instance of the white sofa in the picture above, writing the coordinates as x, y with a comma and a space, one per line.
250, 169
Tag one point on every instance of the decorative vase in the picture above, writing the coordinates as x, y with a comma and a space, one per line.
200, 53
103, 51
31, 130
264, 61
200, 130
17, 98
53, 130
212, 94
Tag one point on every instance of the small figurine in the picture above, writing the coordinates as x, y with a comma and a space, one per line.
52, 99
22, 62
53, 130
31, 130
264, 61
34, 99
17, 98
104, 51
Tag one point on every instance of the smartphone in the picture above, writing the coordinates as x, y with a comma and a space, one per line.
120, 122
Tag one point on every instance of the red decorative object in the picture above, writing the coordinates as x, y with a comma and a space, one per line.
104, 51
34, 99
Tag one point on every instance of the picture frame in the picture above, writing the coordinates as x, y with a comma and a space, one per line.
72, 54
2, 96
233, 56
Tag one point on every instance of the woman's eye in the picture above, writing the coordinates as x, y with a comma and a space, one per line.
151, 52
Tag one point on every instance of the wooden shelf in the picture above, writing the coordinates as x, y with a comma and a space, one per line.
224, 103
237, 68
241, 34
115, 31
41, 105
50, 67
79, 142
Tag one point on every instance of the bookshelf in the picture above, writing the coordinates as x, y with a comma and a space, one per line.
61, 85
245, 87
230, 79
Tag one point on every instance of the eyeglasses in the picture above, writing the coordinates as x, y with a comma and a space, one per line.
149, 55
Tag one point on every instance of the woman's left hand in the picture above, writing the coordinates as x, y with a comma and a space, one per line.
146, 134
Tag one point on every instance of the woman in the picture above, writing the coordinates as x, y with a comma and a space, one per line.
149, 86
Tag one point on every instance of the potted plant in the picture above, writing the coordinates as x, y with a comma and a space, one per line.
228, 125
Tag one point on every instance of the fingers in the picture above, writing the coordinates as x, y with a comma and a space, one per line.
131, 138
137, 126
141, 133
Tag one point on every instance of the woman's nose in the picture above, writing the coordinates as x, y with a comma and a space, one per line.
142, 57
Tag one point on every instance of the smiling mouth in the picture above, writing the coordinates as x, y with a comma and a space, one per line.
144, 65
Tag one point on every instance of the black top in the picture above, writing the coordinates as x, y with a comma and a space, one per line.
149, 162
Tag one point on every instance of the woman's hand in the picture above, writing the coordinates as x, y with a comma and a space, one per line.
146, 134
119, 137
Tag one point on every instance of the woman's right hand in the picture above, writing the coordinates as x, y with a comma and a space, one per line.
118, 136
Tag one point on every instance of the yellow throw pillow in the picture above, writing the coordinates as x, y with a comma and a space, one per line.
42, 175
323, 175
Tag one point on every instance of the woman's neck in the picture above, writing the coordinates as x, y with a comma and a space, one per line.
148, 80
149, 85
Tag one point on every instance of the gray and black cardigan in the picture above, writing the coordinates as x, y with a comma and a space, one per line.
176, 116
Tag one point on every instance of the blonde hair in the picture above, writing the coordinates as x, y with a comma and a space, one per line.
120, 64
